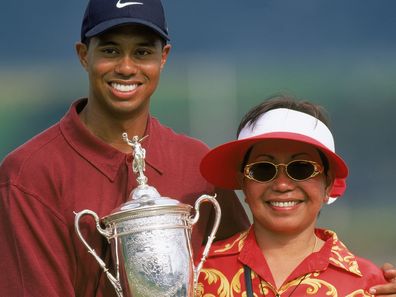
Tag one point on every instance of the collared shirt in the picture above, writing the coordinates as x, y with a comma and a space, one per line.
332, 271
67, 169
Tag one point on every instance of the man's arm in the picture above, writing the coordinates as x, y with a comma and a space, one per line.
233, 215
388, 289
33, 263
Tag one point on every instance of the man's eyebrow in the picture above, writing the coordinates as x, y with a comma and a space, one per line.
146, 43
106, 42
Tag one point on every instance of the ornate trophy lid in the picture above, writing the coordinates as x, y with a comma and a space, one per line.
144, 198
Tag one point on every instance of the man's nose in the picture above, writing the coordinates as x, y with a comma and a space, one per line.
126, 66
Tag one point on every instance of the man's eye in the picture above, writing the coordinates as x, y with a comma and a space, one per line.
142, 52
110, 51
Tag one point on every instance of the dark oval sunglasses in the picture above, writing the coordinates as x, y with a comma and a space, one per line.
297, 170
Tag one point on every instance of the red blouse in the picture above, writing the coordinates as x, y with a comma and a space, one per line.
332, 271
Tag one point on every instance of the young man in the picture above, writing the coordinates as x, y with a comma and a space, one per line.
82, 162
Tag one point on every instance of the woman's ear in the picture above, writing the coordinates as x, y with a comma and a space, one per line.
241, 183
329, 185
240, 179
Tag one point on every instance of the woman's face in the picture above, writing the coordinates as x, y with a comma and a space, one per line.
283, 205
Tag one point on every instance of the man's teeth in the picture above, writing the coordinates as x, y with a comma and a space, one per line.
284, 204
123, 88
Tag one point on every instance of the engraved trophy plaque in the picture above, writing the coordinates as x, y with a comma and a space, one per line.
150, 239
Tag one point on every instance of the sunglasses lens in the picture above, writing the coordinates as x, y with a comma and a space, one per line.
300, 170
262, 171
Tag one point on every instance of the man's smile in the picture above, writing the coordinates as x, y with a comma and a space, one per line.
124, 87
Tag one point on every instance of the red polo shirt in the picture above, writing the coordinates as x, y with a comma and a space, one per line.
67, 169
332, 271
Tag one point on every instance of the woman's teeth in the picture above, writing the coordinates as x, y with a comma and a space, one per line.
283, 204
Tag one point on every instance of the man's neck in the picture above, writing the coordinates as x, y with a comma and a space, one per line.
110, 130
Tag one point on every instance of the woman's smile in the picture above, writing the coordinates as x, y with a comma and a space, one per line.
283, 205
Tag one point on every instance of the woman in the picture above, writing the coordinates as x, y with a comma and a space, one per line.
285, 163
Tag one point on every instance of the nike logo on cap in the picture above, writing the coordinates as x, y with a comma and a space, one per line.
121, 5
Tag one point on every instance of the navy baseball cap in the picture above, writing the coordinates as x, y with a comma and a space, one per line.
102, 15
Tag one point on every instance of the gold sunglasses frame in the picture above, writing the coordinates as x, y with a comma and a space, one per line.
318, 169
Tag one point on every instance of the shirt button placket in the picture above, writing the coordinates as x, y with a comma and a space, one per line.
131, 175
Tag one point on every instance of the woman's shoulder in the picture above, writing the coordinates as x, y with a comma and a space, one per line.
370, 270
343, 257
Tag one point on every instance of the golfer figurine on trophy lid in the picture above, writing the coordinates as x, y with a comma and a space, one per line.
150, 239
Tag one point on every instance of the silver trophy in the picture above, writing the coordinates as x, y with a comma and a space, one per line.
150, 238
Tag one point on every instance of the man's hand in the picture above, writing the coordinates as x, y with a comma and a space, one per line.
388, 289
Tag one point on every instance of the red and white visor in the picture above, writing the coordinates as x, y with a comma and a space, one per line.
222, 165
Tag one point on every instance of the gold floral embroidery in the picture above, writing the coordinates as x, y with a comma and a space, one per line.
199, 290
225, 289
212, 276
240, 241
347, 262
314, 285
236, 282
260, 288
341, 257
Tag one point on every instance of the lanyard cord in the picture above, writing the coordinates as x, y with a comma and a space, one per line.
248, 280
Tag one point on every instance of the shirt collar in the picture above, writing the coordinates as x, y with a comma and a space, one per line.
334, 252
339, 255
154, 155
100, 154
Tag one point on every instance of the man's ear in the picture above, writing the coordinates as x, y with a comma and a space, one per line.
165, 53
82, 53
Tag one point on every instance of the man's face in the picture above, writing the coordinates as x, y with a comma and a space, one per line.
123, 66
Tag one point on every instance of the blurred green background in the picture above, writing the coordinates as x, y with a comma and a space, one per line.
228, 56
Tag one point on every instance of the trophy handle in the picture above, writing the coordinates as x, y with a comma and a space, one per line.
114, 281
211, 237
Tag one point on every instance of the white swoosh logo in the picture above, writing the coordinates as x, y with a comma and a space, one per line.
121, 5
